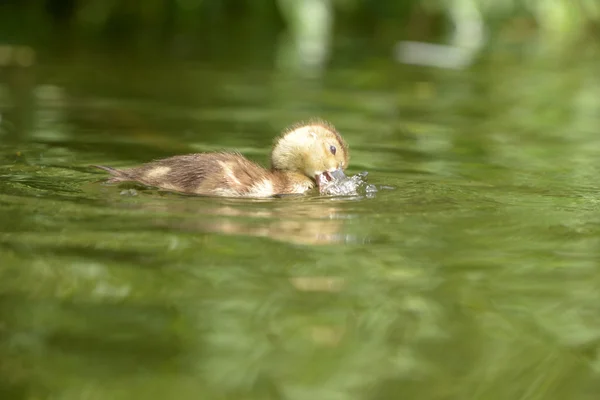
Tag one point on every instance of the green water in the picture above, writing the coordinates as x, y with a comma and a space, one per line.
473, 276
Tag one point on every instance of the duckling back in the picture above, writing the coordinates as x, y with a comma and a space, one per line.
215, 174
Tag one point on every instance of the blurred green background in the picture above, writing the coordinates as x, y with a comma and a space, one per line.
202, 28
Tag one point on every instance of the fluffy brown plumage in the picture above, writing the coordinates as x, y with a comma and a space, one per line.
304, 154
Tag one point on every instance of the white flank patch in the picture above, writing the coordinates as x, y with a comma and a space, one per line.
262, 189
157, 172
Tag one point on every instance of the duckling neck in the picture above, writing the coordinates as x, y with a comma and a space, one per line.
294, 182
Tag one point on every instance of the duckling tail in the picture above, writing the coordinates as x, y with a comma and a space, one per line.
117, 174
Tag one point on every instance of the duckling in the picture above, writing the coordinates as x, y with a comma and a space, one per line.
305, 155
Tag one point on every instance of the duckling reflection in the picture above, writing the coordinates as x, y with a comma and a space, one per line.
295, 227
304, 155
298, 221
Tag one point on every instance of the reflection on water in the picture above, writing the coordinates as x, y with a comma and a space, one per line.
299, 220
476, 277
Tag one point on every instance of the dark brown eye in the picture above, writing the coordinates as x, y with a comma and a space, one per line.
332, 149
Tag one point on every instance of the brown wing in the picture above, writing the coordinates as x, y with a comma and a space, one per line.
226, 174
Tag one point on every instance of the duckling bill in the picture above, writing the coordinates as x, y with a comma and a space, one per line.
304, 156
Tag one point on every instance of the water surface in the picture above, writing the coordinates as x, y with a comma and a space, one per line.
476, 277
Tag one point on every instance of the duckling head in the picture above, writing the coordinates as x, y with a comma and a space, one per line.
315, 149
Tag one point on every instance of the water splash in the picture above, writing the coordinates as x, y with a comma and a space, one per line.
351, 186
